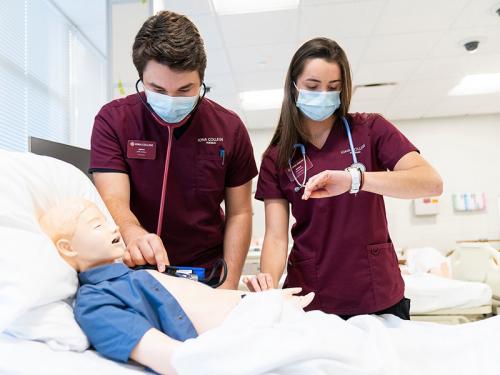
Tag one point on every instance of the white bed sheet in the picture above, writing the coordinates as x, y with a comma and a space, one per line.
430, 293
265, 335
22, 357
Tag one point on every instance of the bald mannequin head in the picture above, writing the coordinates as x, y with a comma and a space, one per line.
82, 235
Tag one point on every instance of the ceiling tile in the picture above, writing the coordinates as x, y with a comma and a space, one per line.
452, 42
457, 67
389, 71
410, 16
217, 63
262, 80
425, 89
352, 19
259, 28
207, 26
261, 57
401, 47
478, 12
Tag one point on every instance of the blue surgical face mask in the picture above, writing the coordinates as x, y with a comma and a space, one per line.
318, 105
172, 109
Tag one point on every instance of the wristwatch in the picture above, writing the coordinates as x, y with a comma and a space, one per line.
355, 179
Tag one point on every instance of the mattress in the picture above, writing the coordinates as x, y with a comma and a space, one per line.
31, 357
429, 293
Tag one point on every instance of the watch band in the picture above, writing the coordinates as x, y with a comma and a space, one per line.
355, 179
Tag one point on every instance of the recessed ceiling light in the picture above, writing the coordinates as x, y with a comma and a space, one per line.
224, 7
476, 84
261, 99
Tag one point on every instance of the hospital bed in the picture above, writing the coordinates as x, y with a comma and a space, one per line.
35, 358
479, 262
438, 299
28, 337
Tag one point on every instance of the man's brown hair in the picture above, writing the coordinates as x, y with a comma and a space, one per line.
170, 39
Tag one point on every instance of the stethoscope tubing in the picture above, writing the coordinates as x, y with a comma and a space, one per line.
302, 148
170, 127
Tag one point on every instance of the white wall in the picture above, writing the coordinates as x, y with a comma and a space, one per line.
466, 152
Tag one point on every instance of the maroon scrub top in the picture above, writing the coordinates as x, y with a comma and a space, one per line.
342, 249
193, 224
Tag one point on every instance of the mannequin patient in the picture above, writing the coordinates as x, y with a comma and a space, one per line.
142, 315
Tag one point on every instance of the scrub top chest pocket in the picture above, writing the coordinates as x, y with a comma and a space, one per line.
210, 170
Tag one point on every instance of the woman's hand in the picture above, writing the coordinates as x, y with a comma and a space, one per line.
259, 283
327, 184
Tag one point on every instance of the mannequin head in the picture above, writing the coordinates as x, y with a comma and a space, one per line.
82, 235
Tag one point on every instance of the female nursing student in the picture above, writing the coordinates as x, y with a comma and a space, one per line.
342, 250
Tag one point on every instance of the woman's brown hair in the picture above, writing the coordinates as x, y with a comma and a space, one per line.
170, 39
290, 129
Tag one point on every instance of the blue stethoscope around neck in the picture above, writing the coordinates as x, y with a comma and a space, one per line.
302, 148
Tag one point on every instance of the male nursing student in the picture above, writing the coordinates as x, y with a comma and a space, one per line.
211, 158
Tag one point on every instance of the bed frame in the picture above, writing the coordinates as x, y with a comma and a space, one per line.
458, 316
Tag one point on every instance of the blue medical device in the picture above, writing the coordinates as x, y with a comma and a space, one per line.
195, 273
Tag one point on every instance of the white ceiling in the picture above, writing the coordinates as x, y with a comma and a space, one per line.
417, 44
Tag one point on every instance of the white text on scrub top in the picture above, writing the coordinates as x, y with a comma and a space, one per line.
357, 149
210, 141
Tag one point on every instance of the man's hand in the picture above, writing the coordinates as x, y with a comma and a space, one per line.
327, 184
259, 283
146, 248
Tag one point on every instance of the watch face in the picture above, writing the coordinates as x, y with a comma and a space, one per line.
359, 166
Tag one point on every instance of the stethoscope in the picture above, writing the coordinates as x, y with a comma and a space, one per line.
170, 127
302, 148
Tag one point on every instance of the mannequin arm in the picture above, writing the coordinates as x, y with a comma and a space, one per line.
155, 351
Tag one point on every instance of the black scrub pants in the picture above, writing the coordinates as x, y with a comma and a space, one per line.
400, 309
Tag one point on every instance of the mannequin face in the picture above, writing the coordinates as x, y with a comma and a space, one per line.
82, 235
95, 241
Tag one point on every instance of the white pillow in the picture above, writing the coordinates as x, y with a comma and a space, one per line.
53, 324
32, 274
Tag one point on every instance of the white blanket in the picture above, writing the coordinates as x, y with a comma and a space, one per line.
265, 335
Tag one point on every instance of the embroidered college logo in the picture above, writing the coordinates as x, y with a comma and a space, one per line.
357, 150
211, 140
